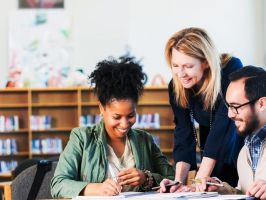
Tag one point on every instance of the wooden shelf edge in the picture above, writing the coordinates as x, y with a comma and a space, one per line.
53, 130
45, 154
16, 154
167, 150
19, 105
7, 174
15, 131
46, 105
154, 103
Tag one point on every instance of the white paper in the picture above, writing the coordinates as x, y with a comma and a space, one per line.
153, 195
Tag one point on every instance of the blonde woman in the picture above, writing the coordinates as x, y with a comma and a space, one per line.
200, 78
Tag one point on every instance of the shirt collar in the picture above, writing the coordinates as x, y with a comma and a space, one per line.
260, 134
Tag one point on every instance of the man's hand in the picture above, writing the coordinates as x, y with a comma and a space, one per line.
257, 189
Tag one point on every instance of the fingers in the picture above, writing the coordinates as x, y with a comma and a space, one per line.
110, 188
184, 188
131, 176
174, 188
207, 184
200, 184
258, 189
163, 183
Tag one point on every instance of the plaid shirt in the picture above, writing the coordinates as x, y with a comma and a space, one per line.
254, 142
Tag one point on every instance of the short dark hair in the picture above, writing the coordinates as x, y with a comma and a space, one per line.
255, 81
119, 79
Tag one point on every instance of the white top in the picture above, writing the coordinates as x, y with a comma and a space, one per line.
116, 164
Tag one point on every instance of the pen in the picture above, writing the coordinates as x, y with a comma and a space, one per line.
167, 186
208, 183
215, 184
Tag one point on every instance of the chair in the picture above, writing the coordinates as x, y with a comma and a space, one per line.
21, 185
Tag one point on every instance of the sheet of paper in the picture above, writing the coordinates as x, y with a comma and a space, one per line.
153, 195
98, 197
229, 197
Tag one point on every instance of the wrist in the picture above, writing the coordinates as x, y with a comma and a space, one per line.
149, 181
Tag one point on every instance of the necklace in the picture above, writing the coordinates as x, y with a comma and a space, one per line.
194, 128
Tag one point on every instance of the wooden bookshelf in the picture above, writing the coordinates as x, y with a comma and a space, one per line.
65, 106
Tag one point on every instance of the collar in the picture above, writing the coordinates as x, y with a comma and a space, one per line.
260, 135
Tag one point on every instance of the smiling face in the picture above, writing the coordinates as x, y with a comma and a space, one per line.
246, 120
188, 70
119, 116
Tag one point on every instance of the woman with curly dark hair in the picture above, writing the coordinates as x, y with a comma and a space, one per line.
110, 157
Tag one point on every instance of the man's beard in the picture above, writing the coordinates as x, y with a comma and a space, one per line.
251, 126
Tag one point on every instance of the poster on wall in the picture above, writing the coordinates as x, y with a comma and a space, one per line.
41, 4
39, 48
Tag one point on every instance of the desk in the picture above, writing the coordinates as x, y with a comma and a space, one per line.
6, 188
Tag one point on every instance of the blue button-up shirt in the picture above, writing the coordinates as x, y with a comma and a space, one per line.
254, 143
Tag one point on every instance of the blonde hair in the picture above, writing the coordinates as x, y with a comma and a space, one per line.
196, 43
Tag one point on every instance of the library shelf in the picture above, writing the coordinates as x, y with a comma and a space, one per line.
62, 108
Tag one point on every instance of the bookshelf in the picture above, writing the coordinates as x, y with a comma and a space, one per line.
63, 107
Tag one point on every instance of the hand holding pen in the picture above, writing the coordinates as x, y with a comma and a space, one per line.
168, 185
210, 184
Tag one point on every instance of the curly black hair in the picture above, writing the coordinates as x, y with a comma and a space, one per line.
119, 79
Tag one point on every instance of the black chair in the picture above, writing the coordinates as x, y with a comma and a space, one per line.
29, 185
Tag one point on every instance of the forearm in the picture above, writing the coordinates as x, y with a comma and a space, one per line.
206, 167
182, 169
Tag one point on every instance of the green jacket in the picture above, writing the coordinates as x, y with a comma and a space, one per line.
84, 160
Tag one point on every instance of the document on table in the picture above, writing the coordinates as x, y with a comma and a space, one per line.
232, 197
153, 195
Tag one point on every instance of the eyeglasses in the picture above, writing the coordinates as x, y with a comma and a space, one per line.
234, 109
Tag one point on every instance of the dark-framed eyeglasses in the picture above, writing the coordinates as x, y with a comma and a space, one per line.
234, 109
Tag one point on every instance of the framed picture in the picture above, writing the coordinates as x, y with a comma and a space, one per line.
40, 48
40, 4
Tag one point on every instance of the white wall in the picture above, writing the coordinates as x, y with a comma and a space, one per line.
109, 27
235, 29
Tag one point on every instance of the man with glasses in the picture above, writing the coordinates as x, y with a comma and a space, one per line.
246, 102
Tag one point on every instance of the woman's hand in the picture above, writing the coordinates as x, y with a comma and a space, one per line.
108, 188
132, 177
209, 184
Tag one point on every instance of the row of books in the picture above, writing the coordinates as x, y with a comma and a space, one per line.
9, 123
47, 145
88, 120
7, 166
8, 146
40, 122
150, 120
